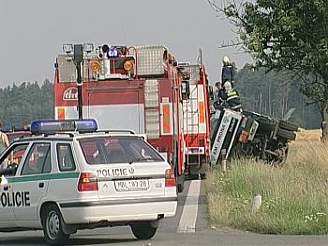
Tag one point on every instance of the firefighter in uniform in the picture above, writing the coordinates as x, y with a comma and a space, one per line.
220, 95
228, 70
233, 98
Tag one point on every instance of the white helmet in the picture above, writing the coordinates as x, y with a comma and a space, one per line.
227, 86
226, 61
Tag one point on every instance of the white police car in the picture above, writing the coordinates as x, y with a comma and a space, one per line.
82, 179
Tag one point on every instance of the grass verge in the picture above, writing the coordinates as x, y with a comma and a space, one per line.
294, 197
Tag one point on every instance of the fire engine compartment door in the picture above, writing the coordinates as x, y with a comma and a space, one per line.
225, 134
117, 108
194, 111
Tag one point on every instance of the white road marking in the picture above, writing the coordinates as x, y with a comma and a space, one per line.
188, 218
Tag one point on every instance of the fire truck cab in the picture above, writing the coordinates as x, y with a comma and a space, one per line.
137, 88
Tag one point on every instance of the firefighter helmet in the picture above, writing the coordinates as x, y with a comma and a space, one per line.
226, 61
227, 86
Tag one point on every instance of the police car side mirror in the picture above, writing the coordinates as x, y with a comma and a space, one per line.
9, 171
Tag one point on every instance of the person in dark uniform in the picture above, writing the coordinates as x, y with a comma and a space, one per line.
220, 95
228, 71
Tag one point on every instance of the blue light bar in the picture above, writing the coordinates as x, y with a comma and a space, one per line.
54, 126
113, 52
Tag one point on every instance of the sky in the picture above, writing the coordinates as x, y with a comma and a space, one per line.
33, 32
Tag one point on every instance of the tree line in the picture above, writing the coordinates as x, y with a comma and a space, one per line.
274, 94
21, 104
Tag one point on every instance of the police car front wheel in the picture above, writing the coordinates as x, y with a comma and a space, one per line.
52, 222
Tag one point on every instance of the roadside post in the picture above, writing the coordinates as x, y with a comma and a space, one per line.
256, 203
224, 160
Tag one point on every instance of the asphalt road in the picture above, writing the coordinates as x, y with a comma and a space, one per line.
189, 227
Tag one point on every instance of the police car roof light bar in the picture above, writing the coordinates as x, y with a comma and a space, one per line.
56, 126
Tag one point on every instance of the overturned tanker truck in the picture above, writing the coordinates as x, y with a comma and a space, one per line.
248, 134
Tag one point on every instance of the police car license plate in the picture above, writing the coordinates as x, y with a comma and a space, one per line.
131, 185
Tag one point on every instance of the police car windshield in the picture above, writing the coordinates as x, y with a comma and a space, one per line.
117, 149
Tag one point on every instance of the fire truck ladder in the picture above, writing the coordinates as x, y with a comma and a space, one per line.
192, 114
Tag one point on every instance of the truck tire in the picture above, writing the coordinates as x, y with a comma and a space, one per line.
266, 124
288, 126
289, 135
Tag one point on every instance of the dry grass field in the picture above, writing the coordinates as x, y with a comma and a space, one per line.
294, 196
308, 135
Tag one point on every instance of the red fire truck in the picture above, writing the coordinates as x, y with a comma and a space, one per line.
137, 88
196, 111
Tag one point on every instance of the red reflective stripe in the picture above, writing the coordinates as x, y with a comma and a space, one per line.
201, 112
166, 118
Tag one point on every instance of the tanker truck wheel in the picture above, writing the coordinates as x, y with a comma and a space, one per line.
288, 126
289, 135
265, 124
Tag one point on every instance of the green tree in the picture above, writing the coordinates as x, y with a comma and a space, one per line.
275, 93
287, 35
19, 105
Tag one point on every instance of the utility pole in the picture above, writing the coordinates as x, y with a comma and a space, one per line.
78, 59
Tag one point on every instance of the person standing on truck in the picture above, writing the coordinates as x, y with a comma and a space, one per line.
233, 99
228, 70
4, 142
220, 95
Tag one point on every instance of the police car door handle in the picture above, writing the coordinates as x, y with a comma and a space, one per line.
41, 185
5, 187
